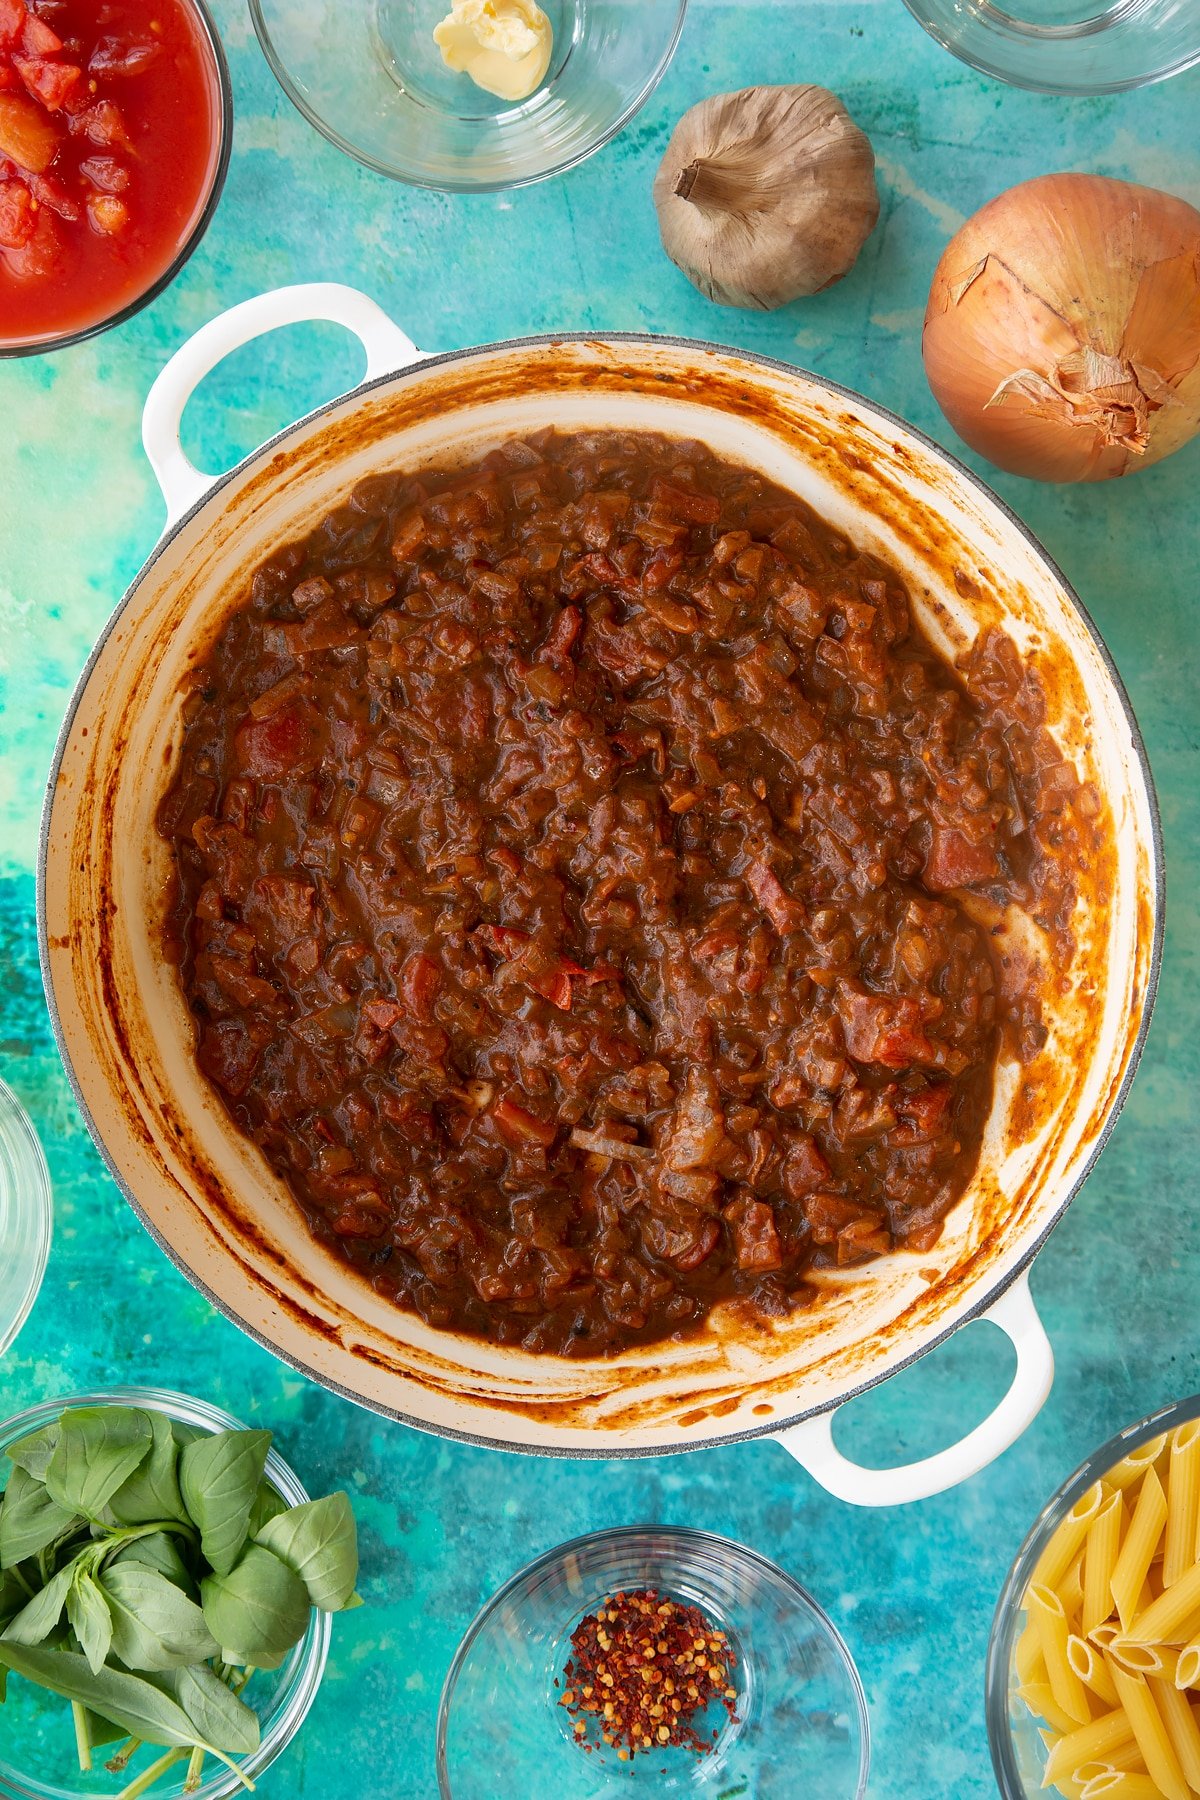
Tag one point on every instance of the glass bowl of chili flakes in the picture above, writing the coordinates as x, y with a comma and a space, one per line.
652, 1651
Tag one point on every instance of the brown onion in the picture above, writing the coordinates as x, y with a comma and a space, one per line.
1062, 336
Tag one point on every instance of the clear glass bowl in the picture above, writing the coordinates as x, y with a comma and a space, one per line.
1067, 46
368, 74
801, 1724
26, 1214
1018, 1754
219, 70
37, 1725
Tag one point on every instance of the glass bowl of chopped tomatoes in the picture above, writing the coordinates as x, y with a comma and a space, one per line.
652, 1653
115, 130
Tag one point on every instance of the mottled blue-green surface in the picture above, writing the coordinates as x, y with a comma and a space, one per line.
441, 1525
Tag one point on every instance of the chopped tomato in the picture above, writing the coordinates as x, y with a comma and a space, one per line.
106, 173
783, 912
41, 254
955, 862
12, 18
107, 213
102, 124
38, 38
506, 939
553, 985
49, 191
519, 1126
26, 134
16, 215
287, 742
755, 1239
49, 82
705, 509
561, 635
804, 1169
419, 984
113, 56
884, 1028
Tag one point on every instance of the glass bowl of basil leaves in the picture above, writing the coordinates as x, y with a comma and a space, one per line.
157, 1559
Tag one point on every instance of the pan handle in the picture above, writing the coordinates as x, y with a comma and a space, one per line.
811, 1442
387, 348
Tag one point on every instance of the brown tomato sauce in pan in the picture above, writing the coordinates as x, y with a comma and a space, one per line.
585, 868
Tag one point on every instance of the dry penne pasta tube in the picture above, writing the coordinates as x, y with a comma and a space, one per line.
1120, 1784
1069, 1539
1150, 1733
1143, 1659
1028, 1660
1100, 1559
1039, 1698
1108, 1657
1091, 1669
1046, 1609
1183, 1503
1181, 1725
1089, 1743
1137, 1552
1167, 1619
1125, 1756
1132, 1468
1187, 1669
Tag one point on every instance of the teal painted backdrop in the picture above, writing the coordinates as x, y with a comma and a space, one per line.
442, 1525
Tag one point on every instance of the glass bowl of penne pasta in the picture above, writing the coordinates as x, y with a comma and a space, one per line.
1093, 1677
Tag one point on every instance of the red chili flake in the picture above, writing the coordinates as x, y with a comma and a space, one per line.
644, 1669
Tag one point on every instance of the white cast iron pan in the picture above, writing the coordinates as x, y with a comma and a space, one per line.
205, 1192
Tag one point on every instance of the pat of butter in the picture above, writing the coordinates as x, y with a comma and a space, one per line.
503, 45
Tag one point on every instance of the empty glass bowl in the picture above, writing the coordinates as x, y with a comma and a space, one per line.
1067, 46
37, 1745
801, 1718
368, 74
1018, 1754
25, 1216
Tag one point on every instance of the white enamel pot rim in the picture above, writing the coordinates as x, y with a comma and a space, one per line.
806, 1428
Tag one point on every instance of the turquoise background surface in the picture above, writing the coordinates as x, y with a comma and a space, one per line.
442, 1525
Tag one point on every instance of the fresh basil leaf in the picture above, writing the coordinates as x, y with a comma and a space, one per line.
158, 1550
29, 1519
90, 1618
259, 1608
220, 1718
38, 1617
219, 1477
137, 1706
98, 1448
154, 1626
318, 1542
102, 1730
152, 1491
13, 1595
268, 1504
33, 1453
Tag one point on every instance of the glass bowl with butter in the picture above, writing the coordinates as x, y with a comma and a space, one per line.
468, 95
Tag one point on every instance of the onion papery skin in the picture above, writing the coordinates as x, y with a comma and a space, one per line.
1077, 282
